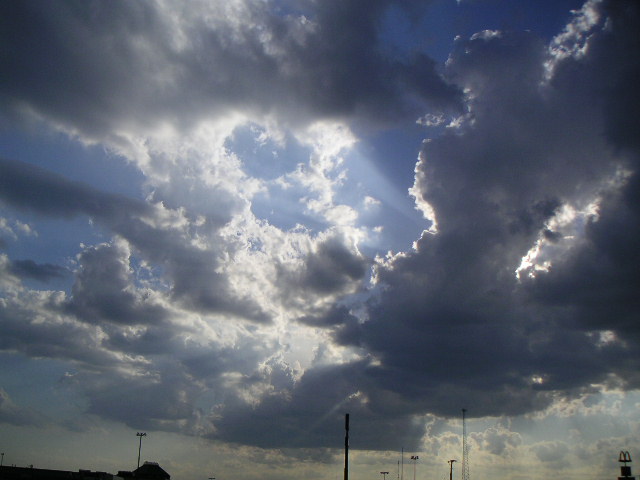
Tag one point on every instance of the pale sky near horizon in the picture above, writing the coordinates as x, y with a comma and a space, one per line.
227, 224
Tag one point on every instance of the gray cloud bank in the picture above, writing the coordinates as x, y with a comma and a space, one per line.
545, 154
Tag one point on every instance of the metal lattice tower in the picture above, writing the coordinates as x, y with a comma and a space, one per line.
465, 447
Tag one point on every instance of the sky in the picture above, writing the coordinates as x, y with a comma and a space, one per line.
229, 223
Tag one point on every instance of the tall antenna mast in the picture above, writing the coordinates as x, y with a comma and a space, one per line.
465, 447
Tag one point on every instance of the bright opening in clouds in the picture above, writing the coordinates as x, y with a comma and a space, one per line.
227, 224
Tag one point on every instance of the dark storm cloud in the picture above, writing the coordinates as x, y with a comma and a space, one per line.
333, 266
461, 321
312, 415
330, 269
343, 70
68, 60
41, 272
453, 325
620, 79
90, 66
601, 279
598, 283
100, 288
27, 186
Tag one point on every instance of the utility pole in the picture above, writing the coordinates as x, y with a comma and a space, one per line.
346, 447
140, 434
384, 475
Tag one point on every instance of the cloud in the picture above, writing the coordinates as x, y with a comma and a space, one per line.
157, 233
499, 441
12, 414
104, 289
159, 289
34, 326
551, 452
144, 66
599, 273
13, 229
29, 187
194, 315
312, 415
40, 272
125, 349
452, 320
332, 265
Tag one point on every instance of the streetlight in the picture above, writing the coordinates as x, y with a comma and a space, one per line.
450, 462
140, 434
384, 475
414, 458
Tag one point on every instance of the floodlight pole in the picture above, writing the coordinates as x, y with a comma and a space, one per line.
450, 462
140, 434
414, 458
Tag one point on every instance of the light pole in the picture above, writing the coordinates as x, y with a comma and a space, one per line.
450, 462
414, 458
140, 434
384, 475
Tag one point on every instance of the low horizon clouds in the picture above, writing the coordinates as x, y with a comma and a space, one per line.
236, 297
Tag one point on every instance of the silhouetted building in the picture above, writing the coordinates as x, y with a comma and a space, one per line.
148, 471
30, 473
